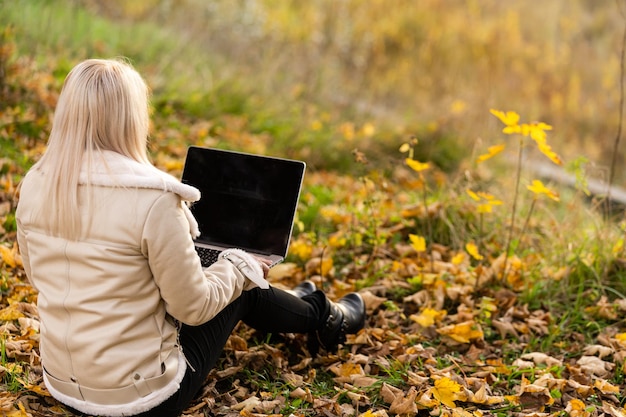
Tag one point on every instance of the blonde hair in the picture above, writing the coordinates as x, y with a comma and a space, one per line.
103, 105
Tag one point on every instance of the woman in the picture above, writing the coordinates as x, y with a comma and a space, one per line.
131, 324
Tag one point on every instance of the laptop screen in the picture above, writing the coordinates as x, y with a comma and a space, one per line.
248, 201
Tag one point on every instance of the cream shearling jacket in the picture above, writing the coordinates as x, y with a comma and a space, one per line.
109, 303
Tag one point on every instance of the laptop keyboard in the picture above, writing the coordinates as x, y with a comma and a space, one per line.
207, 256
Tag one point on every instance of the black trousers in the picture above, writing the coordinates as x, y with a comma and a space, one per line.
271, 310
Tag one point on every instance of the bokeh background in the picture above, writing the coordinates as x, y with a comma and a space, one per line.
324, 77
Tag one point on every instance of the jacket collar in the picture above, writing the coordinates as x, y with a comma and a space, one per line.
111, 169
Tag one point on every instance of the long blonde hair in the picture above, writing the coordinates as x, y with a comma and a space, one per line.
103, 105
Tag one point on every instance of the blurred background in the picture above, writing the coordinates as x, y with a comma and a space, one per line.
320, 79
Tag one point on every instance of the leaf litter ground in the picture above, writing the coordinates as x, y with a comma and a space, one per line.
441, 338
445, 335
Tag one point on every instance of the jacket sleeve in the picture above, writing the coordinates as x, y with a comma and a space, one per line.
22, 244
192, 295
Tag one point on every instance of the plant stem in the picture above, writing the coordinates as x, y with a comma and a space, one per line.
518, 176
429, 226
527, 221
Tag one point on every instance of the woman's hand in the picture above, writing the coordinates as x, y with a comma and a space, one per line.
265, 265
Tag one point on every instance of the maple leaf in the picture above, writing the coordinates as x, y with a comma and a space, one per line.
428, 316
445, 391
418, 243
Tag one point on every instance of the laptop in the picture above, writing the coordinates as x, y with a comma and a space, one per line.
247, 201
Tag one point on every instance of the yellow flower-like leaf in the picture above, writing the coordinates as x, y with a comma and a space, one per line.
472, 249
537, 131
510, 130
480, 196
545, 149
418, 243
510, 118
484, 208
405, 147
491, 152
473, 195
538, 188
445, 391
417, 165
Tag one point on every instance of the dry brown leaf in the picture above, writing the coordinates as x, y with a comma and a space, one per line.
598, 350
539, 358
592, 365
404, 404
389, 393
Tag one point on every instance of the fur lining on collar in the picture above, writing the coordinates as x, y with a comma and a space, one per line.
111, 169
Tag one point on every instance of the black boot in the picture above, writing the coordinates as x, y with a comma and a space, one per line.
303, 289
347, 316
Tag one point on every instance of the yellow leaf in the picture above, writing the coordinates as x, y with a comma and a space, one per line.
8, 256
575, 405
537, 131
547, 151
347, 368
606, 387
11, 313
510, 118
326, 266
473, 195
337, 240
491, 152
537, 187
416, 165
428, 316
463, 332
472, 249
484, 208
418, 243
488, 197
445, 391
301, 248
458, 258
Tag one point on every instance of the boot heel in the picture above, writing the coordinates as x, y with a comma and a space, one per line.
347, 316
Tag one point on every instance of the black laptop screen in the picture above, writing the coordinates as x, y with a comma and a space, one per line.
248, 201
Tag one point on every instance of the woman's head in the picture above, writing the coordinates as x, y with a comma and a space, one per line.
103, 106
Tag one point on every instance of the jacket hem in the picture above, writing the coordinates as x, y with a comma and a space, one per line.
139, 406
